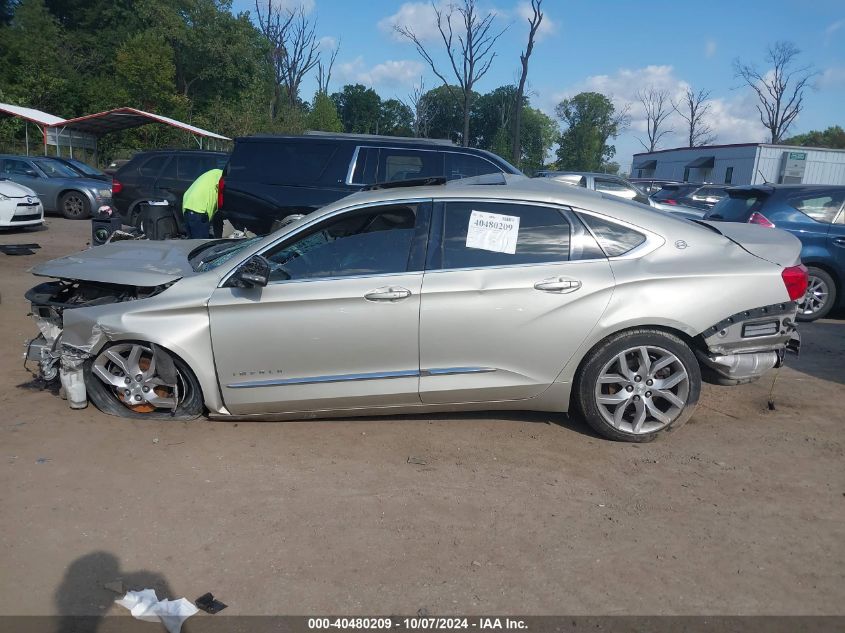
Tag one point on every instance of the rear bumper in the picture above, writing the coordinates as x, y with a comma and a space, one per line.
744, 346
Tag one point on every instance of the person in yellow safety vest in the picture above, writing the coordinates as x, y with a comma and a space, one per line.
199, 204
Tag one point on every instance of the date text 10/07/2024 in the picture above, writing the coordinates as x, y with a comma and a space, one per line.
417, 623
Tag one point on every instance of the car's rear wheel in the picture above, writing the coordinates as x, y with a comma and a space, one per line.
820, 297
74, 205
638, 383
133, 380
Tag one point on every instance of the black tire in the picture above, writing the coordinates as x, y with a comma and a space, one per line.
104, 397
816, 309
74, 205
586, 382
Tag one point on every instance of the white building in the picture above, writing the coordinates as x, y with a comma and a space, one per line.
743, 164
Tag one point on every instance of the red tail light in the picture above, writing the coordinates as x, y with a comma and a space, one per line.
762, 220
670, 201
116, 186
221, 184
795, 280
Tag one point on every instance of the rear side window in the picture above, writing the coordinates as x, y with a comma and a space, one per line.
280, 163
152, 166
467, 166
737, 207
613, 238
404, 164
478, 234
821, 207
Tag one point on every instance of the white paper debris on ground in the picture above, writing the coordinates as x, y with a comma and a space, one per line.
145, 605
493, 232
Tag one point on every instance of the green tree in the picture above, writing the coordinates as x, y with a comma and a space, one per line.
323, 115
147, 72
832, 138
492, 119
359, 108
538, 132
591, 120
444, 115
395, 119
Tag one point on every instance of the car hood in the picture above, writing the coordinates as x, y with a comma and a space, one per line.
14, 190
143, 263
773, 245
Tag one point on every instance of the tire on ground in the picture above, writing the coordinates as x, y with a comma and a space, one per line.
585, 382
831, 297
74, 205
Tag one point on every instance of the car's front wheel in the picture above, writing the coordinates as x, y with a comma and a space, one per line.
637, 384
136, 380
820, 296
74, 205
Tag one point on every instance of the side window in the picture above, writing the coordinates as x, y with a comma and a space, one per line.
729, 174
17, 167
614, 239
477, 234
153, 165
365, 242
404, 164
821, 207
466, 166
190, 167
364, 171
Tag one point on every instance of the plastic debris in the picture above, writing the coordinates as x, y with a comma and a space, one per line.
145, 605
207, 603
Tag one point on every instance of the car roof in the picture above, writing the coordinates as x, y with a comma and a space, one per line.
357, 139
771, 187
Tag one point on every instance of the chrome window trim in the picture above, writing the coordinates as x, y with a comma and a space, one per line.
351, 170
342, 277
653, 241
386, 375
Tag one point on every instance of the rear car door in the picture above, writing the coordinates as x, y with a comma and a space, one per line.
337, 326
510, 292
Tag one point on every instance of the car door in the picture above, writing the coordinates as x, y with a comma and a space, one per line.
25, 173
337, 326
510, 292
836, 244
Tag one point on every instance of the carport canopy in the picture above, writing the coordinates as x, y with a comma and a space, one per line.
703, 162
124, 118
30, 114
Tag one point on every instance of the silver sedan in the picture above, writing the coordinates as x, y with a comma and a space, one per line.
519, 295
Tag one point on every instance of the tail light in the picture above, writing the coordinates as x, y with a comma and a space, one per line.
762, 220
669, 201
116, 186
795, 280
221, 184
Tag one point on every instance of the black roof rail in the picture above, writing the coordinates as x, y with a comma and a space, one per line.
412, 182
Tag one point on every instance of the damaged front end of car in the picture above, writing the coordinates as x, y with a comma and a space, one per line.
744, 346
64, 344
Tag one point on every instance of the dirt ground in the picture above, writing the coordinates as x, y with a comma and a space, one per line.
742, 511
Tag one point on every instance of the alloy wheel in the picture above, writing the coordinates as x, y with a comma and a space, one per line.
74, 205
129, 369
815, 298
642, 389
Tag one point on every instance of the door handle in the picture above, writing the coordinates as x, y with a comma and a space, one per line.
388, 293
839, 241
558, 284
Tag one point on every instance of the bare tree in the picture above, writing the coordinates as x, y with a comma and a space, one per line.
533, 25
779, 90
324, 71
294, 50
693, 109
657, 107
470, 57
420, 108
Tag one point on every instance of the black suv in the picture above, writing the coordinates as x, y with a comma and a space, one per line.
160, 175
271, 177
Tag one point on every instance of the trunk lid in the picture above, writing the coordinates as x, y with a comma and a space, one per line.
132, 263
773, 245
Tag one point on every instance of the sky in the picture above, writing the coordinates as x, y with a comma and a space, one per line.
615, 47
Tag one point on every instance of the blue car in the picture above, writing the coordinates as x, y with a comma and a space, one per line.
815, 214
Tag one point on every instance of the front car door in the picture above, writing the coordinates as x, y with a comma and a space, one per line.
511, 290
337, 326
25, 173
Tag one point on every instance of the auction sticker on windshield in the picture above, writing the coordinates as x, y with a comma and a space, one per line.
493, 232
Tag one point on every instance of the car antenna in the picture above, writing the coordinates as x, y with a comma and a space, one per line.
765, 182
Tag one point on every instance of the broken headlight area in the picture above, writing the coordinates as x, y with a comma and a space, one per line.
49, 301
744, 346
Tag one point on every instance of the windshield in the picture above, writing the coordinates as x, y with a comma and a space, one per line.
213, 254
673, 192
55, 169
84, 168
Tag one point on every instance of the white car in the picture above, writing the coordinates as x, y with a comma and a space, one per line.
19, 206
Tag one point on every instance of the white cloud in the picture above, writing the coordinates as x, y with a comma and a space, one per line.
548, 26
709, 48
831, 29
327, 44
418, 16
388, 74
307, 6
833, 77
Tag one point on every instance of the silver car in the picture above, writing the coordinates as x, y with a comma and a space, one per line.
521, 295
60, 188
